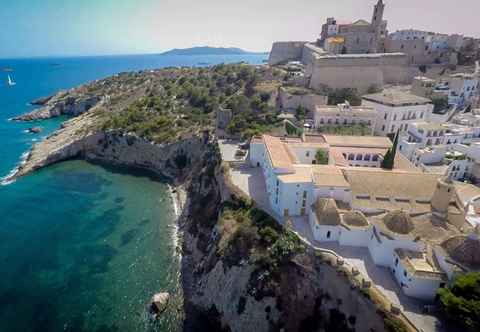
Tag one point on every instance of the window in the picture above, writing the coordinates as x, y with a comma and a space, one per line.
383, 128
405, 273
393, 128
375, 157
307, 154
367, 157
396, 262
328, 234
385, 116
359, 157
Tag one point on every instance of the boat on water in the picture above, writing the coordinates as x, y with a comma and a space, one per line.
10, 81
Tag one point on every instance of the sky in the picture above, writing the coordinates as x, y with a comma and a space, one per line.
99, 27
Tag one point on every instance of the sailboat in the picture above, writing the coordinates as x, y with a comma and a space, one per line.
10, 81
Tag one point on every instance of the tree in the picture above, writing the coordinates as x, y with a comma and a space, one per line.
439, 103
389, 158
300, 113
321, 157
461, 301
341, 95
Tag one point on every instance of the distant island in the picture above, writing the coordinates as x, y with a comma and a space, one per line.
207, 50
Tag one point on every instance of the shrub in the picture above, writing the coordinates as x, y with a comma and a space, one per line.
321, 157
461, 301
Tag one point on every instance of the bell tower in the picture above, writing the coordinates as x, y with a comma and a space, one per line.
377, 17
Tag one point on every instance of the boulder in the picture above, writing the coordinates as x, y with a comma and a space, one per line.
35, 130
158, 303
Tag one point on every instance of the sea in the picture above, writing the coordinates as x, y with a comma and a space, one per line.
83, 247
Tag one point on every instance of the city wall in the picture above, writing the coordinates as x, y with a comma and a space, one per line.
283, 52
361, 72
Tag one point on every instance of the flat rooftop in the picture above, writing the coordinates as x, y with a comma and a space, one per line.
396, 98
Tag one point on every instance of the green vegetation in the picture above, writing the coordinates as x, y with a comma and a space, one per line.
250, 234
321, 157
461, 301
440, 103
297, 91
300, 113
393, 325
178, 101
339, 96
345, 130
292, 130
389, 158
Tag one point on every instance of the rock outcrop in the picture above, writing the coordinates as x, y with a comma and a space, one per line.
311, 293
63, 103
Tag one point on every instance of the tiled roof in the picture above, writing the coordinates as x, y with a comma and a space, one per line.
328, 176
359, 141
326, 212
278, 152
390, 190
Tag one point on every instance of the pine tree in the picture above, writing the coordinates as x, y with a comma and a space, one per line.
389, 158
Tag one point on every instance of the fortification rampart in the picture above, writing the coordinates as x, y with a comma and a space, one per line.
286, 51
361, 72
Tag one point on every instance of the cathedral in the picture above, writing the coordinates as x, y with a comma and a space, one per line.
357, 37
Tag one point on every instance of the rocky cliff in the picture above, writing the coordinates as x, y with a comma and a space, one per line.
240, 269
225, 292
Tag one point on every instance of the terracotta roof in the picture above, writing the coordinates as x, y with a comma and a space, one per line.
326, 212
328, 176
396, 98
279, 154
466, 192
464, 249
358, 141
390, 190
398, 222
355, 219
302, 174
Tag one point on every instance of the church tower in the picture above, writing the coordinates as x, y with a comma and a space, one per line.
377, 17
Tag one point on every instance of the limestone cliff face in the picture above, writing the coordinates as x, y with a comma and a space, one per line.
312, 295
76, 140
63, 103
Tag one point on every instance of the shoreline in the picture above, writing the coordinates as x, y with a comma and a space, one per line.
10, 177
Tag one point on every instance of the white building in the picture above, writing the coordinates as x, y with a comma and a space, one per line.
449, 149
463, 89
422, 251
294, 180
344, 115
396, 110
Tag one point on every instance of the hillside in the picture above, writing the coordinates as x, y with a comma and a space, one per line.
207, 50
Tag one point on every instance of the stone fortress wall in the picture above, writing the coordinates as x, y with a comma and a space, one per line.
360, 71
283, 52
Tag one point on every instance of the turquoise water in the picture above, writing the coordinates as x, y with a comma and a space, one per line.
82, 247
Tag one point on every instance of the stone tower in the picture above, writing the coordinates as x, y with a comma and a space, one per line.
442, 197
377, 17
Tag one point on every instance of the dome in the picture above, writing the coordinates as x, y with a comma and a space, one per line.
464, 249
355, 218
398, 222
327, 212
